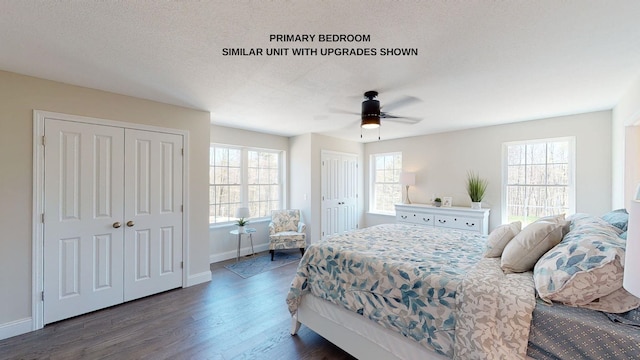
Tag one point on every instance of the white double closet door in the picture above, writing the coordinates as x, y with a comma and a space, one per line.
112, 216
339, 192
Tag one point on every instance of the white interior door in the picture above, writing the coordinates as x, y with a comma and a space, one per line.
83, 206
331, 197
153, 214
112, 216
339, 188
349, 184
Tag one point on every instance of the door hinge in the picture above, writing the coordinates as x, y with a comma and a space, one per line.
181, 264
42, 296
181, 208
43, 141
42, 218
182, 151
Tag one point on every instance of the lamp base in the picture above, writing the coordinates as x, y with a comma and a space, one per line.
407, 200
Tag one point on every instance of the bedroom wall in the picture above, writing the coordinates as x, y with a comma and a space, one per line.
306, 151
222, 245
441, 161
19, 96
626, 158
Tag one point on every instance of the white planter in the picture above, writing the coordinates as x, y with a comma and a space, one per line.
241, 229
476, 205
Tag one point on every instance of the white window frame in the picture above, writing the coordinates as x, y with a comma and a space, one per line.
244, 185
373, 182
571, 176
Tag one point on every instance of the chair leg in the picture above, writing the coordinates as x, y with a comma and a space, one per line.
302, 251
271, 252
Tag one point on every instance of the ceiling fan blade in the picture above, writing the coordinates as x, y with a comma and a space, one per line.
402, 119
340, 111
404, 101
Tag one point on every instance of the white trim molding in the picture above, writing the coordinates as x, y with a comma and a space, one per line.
39, 116
15, 328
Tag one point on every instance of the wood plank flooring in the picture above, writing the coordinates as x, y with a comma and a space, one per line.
228, 318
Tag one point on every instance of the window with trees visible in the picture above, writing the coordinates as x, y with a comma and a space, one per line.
243, 177
386, 190
538, 179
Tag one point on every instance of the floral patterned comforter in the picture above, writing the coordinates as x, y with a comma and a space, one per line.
403, 277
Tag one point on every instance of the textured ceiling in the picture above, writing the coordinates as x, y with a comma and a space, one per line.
479, 62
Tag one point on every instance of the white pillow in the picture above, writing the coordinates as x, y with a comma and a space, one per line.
499, 238
522, 253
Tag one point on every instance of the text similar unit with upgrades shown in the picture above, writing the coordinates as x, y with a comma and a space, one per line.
454, 217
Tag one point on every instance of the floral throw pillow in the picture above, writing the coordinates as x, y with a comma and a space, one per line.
586, 268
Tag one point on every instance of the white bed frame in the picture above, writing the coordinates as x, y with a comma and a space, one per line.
355, 334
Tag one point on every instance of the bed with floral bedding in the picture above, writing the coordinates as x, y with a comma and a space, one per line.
434, 287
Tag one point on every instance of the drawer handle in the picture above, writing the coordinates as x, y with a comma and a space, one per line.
470, 225
442, 221
426, 220
403, 216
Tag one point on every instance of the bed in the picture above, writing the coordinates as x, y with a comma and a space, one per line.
399, 291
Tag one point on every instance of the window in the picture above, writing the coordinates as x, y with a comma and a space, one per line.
386, 190
538, 179
243, 177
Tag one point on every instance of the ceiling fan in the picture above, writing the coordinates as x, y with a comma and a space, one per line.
372, 111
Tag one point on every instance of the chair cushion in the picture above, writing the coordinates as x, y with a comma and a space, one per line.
287, 240
285, 220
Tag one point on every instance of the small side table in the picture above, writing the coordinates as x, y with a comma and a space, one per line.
247, 231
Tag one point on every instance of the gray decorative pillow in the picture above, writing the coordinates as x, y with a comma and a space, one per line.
522, 253
499, 238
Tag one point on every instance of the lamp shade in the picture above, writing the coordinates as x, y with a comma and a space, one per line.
631, 279
242, 212
407, 178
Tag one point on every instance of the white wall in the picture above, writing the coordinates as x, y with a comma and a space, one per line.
305, 173
441, 161
626, 141
19, 96
223, 245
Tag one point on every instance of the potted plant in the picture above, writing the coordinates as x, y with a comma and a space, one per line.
241, 222
476, 188
437, 202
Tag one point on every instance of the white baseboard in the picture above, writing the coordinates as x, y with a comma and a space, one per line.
214, 258
199, 278
15, 328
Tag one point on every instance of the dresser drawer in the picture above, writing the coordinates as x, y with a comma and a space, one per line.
457, 222
454, 217
414, 218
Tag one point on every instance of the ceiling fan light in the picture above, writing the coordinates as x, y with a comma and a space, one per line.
370, 122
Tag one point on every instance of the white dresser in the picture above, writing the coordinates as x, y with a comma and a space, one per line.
454, 217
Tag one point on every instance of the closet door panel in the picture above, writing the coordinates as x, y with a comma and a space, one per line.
153, 213
83, 207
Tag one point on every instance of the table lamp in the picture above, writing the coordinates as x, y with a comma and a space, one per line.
407, 179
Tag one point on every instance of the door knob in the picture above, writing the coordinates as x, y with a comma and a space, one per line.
130, 223
117, 224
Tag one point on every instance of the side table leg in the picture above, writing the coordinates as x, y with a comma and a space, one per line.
251, 238
238, 253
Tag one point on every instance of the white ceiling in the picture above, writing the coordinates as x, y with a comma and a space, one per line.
479, 62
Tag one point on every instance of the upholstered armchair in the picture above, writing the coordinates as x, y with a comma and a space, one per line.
286, 231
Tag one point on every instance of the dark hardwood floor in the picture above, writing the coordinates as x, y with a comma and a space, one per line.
228, 318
